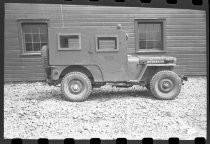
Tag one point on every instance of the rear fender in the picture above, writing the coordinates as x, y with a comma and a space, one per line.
58, 71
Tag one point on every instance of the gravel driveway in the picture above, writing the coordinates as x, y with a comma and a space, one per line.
36, 110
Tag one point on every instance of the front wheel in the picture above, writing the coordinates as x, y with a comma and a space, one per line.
76, 86
165, 85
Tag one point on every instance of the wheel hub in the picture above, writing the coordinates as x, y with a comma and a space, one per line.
75, 86
166, 85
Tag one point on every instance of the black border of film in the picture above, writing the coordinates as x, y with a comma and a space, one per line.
180, 4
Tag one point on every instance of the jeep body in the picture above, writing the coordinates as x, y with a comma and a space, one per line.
83, 58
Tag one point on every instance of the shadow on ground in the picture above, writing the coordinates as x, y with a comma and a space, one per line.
124, 94
97, 94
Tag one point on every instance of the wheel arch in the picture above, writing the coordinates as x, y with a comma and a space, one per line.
78, 68
152, 70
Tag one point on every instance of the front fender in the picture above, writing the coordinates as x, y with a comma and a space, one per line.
149, 69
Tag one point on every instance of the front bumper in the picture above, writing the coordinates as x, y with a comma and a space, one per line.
183, 78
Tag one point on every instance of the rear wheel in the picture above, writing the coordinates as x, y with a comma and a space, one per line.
76, 86
165, 85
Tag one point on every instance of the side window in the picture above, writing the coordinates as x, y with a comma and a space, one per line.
107, 43
34, 35
149, 35
69, 41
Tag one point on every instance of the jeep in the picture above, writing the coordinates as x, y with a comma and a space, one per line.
83, 58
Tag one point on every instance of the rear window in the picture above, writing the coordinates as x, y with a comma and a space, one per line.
69, 42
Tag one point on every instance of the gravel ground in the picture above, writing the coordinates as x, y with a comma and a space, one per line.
36, 110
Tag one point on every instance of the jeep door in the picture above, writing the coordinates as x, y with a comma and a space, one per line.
109, 52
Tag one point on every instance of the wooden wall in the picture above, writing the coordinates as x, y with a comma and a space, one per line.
185, 33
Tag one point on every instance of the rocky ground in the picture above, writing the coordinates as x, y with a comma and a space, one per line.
36, 110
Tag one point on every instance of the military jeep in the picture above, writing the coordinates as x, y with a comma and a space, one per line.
83, 58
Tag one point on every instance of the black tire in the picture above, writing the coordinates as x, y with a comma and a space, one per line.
165, 85
44, 57
76, 86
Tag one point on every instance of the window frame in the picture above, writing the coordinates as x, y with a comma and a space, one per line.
21, 37
105, 36
137, 21
68, 34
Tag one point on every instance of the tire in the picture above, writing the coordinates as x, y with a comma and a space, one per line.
165, 85
76, 86
44, 57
